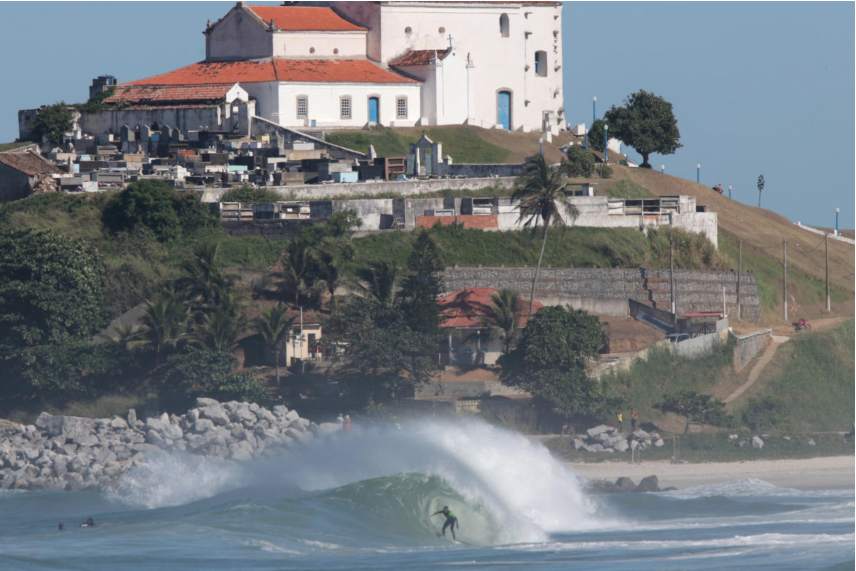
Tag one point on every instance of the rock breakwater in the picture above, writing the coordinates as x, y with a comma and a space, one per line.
74, 453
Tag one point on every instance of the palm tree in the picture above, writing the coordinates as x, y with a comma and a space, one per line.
164, 323
378, 279
205, 279
219, 331
328, 269
274, 326
503, 316
540, 190
297, 266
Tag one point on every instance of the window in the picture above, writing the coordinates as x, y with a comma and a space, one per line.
442, 30
401, 108
303, 107
541, 63
346, 108
503, 25
408, 30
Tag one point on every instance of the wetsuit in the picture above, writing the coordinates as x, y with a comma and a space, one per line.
451, 520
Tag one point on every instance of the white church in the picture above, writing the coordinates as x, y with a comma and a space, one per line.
496, 65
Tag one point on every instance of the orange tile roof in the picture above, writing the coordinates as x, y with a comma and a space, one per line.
463, 308
419, 57
160, 93
255, 71
304, 19
29, 163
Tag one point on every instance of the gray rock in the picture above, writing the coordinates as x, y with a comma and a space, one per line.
203, 402
280, 411
625, 484
202, 425
811, 442
155, 424
593, 432
757, 442
153, 437
291, 416
659, 443
173, 432
242, 414
215, 414
49, 424
641, 435
596, 448
75, 427
254, 408
578, 444
241, 455
621, 446
118, 423
192, 415
649, 484
132, 417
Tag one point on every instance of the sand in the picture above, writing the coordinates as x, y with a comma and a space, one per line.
829, 472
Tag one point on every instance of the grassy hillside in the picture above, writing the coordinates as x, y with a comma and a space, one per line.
814, 375
12, 146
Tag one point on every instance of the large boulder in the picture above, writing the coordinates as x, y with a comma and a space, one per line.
757, 442
621, 446
50, 424
75, 427
202, 425
203, 402
215, 414
579, 444
132, 417
592, 432
624, 484
649, 484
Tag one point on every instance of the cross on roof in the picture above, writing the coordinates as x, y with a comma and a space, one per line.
450, 41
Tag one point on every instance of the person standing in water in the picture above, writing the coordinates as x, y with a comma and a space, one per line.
451, 521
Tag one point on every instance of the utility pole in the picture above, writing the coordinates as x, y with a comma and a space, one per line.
739, 269
672, 274
785, 276
828, 300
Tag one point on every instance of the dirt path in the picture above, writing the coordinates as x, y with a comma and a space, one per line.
769, 353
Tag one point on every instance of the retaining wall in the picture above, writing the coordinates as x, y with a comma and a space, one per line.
750, 345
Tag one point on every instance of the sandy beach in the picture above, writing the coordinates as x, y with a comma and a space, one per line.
830, 472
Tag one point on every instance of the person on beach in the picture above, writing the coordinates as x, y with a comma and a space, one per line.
88, 523
620, 416
340, 420
347, 423
451, 521
634, 418
61, 526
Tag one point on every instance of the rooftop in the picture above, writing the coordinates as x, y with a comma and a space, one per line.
305, 19
419, 57
264, 70
159, 93
29, 163
462, 309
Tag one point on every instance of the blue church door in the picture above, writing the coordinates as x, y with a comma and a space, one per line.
503, 109
374, 104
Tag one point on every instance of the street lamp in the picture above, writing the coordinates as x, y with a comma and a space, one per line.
594, 109
586, 139
698, 172
836, 221
606, 143
729, 191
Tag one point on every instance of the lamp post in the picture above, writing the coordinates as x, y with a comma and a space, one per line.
586, 139
729, 191
698, 172
606, 146
836, 221
594, 109
662, 168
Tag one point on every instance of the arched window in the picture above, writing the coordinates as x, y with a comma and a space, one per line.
503, 25
541, 63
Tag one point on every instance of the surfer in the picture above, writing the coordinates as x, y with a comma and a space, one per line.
451, 521
88, 523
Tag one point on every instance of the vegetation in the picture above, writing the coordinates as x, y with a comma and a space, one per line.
770, 412
274, 326
540, 190
629, 189
695, 408
580, 162
597, 135
246, 193
379, 280
503, 316
12, 146
53, 122
761, 184
551, 359
96, 104
210, 374
646, 123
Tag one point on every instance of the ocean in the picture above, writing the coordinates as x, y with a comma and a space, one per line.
362, 500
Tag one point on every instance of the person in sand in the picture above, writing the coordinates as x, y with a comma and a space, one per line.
451, 521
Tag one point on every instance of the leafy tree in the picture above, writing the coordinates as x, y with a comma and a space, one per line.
53, 122
297, 266
219, 331
152, 203
761, 184
541, 192
96, 104
165, 322
328, 268
60, 371
503, 316
379, 343
274, 326
763, 413
51, 288
695, 408
645, 123
206, 282
597, 135
422, 287
580, 162
210, 374
379, 280
343, 224
550, 362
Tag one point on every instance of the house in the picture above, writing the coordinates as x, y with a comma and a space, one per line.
21, 173
397, 64
469, 340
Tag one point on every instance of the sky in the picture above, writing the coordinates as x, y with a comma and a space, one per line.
757, 87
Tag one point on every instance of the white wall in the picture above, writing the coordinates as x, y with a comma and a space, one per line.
239, 35
324, 103
325, 44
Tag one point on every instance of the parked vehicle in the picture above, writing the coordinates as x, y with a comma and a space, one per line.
801, 326
675, 338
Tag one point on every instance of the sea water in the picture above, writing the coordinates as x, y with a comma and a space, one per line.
363, 499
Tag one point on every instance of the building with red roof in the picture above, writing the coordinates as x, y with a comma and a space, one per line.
470, 339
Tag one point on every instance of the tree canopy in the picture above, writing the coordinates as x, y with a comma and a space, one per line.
695, 407
53, 122
51, 288
580, 162
646, 123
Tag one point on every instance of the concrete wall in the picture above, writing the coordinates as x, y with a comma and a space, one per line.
697, 290
700, 346
183, 119
261, 126
480, 170
14, 184
750, 345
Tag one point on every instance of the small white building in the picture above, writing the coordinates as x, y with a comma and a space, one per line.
353, 64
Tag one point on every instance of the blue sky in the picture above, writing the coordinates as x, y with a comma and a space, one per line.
756, 87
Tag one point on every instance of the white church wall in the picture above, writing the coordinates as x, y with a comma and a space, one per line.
324, 104
319, 44
266, 95
366, 14
238, 35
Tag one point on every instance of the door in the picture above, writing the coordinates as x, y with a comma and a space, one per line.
374, 104
503, 109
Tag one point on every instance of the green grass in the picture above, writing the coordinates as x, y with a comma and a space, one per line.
12, 146
716, 448
250, 252
768, 275
814, 373
578, 247
462, 143
629, 189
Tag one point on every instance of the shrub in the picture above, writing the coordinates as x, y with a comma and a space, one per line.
596, 136
248, 193
53, 122
51, 288
767, 412
581, 162
210, 374
604, 171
